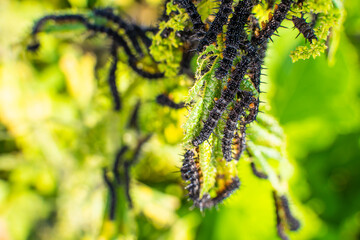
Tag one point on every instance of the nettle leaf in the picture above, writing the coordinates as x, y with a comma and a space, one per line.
328, 20
207, 168
167, 50
192, 124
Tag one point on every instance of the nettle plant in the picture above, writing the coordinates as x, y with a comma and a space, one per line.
229, 40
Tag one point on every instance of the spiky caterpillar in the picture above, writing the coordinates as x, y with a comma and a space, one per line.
129, 29
227, 97
239, 143
234, 116
292, 222
256, 172
199, 27
234, 34
304, 28
132, 61
190, 173
112, 78
274, 22
57, 18
279, 221
282, 206
229, 189
216, 26
118, 39
255, 67
81, 19
207, 202
164, 100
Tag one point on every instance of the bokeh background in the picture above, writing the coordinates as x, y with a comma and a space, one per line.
57, 131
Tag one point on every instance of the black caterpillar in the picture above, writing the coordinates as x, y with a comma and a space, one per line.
256, 172
239, 143
227, 96
274, 22
164, 100
113, 196
112, 78
129, 29
208, 202
279, 220
118, 161
234, 35
216, 26
234, 116
119, 40
229, 189
304, 28
199, 27
292, 222
133, 121
190, 173
282, 205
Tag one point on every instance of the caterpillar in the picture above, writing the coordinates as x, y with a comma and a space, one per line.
208, 202
133, 64
274, 22
100, 29
93, 27
256, 65
190, 172
227, 96
231, 123
229, 189
279, 221
57, 18
108, 13
129, 163
256, 172
164, 100
141, 31
138, 148
113, 196
112, 78
239, 143
216, 26
118, 161
304, 28
133, 122
194, 16
234, 34
253, 111
292, 222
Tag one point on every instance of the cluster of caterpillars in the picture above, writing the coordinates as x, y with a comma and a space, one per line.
134, 39
245, 40
191, 173
121, 178
243, 55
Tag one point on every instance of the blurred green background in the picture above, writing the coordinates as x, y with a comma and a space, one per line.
57, 130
